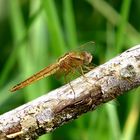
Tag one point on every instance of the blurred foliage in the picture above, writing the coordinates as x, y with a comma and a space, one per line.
34, 34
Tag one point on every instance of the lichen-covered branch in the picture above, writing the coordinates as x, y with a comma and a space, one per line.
59, 106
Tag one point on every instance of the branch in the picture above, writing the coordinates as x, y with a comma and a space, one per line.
59, 106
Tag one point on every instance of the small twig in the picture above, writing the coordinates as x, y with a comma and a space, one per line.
48, 112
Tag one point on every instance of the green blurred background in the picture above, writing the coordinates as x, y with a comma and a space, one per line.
34, 33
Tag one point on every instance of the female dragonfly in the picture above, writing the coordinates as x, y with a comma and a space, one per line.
66, 64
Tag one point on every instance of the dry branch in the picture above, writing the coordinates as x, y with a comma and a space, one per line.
59, 106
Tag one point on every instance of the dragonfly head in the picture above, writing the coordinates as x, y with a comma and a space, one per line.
87, 57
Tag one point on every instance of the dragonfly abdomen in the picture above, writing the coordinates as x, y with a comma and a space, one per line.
41, 74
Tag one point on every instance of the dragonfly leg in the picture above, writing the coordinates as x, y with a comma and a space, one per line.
65, 76
82, 72
88, 68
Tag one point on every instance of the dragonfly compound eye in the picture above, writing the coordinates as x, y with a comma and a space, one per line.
87, 57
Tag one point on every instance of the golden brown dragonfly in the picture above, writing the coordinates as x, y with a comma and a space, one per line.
65, 65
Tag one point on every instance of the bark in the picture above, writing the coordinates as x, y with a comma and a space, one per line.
48, 112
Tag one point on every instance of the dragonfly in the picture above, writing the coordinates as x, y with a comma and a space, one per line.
66, 64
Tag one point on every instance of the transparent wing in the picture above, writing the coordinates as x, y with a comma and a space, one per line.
88, 47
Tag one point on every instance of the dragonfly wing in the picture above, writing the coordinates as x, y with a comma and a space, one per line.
88, 47
41, 74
